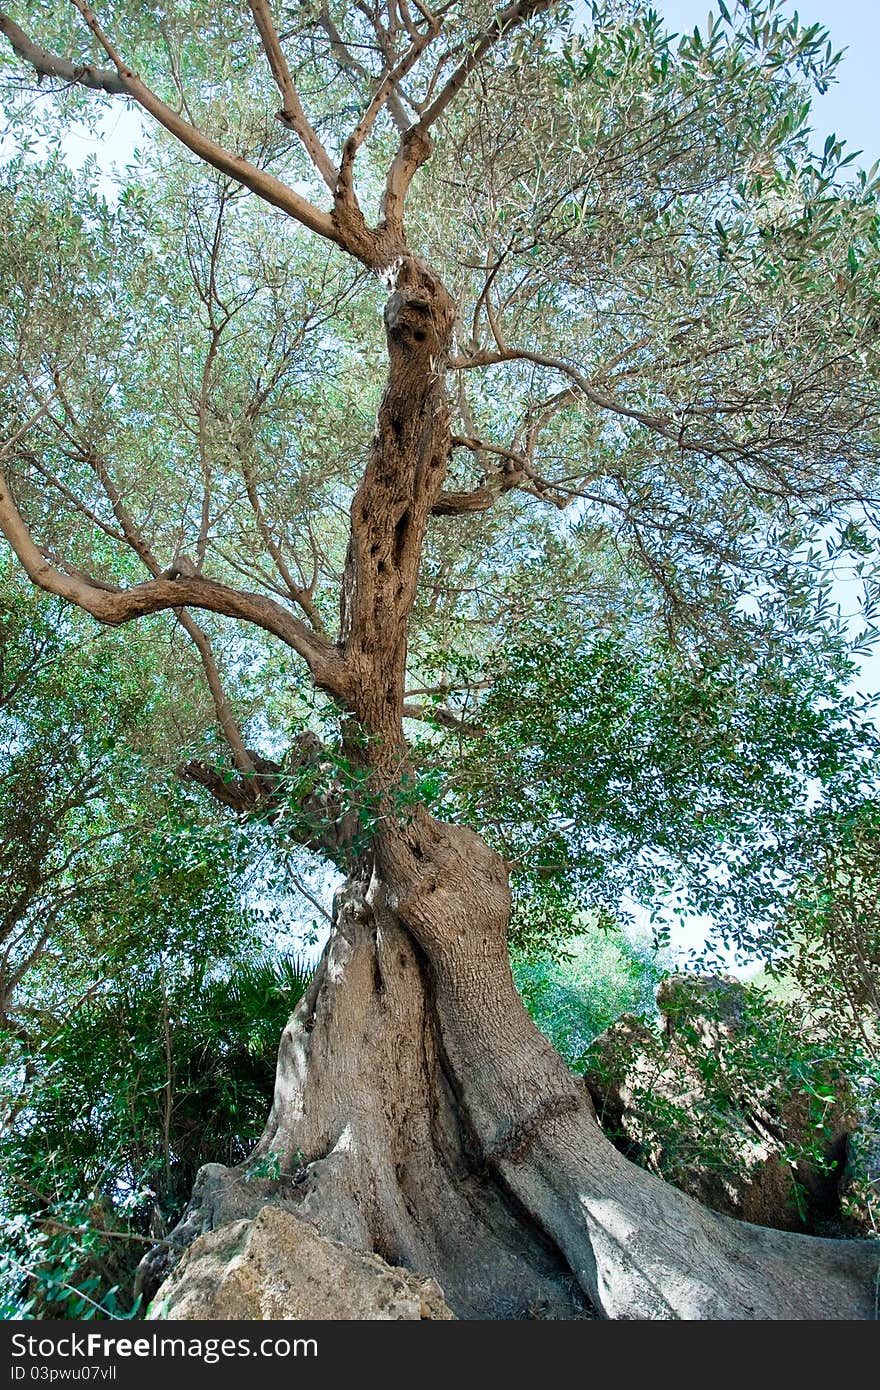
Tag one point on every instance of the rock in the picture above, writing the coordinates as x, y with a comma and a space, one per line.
278, 1266
662, 1102
220, 1195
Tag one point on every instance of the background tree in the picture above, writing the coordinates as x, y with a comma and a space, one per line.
138, 1021
631, 350
832, 932
154, 1073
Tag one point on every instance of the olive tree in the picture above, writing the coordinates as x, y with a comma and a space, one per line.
628, 344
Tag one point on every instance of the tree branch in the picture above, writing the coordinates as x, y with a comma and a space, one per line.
291, 114
300, 596
126, 82
175, 589
387, 85
511, 17
46, 64
222, 708
415, 145
346, 59
581, 385
132, 536
301, 796
517, 473
238, 793
441, 714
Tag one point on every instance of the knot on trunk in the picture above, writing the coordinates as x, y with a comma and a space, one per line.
417, 144
419, 313
451, 890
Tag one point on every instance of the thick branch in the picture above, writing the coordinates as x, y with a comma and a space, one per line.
182, 590
291, 113
516, 473
238, 793
479, 499
46, 64
302, 797
442, 715
126, 82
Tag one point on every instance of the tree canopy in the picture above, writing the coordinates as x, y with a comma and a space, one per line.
663, 384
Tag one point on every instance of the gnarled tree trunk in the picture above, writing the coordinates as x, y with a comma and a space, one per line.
418, 1111
424, 1117
367, 1108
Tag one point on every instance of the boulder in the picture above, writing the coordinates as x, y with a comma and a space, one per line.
277, 1266
666, 1101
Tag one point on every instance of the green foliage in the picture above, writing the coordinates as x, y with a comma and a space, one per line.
576, 994
147, 1079
106, 859
139, 1021
733, 1074
827, 965
612, 768
828, 944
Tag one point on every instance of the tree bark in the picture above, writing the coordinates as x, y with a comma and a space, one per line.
639, 1248
418, 1111
367, 1110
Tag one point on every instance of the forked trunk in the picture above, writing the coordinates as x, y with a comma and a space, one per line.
368, 1111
